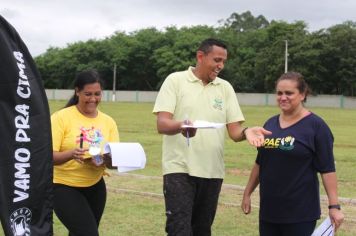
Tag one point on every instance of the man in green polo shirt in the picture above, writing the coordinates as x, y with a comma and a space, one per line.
193, 160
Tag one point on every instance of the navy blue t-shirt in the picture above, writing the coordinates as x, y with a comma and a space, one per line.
289, 162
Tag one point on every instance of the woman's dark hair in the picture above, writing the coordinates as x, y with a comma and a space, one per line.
82, 79
302, 86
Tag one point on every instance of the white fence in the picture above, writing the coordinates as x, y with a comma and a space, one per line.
253, 99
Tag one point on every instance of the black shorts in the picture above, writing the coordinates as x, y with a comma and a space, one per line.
191, 204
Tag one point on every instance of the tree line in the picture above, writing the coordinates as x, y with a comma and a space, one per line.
256, 55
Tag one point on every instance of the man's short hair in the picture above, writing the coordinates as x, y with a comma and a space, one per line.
207, 44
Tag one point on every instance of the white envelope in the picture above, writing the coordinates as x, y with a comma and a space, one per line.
126, 156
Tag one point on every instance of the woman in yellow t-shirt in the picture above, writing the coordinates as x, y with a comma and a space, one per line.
79, 131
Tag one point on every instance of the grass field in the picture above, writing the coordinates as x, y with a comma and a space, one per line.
135, 204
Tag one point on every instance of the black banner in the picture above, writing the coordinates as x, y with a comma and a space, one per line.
25, 141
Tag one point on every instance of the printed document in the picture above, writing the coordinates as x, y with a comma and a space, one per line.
324, 229
126, 156
202, 124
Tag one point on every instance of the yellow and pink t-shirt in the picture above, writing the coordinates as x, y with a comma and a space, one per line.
67, 125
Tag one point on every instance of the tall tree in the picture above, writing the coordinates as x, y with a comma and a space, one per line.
339, 56
246, 22
256, 55
179, 51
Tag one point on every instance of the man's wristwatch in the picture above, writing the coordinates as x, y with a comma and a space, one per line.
336, 206
244, 132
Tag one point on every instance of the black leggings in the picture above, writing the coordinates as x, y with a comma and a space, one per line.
80, 208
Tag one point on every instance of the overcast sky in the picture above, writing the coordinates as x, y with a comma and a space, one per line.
56, 23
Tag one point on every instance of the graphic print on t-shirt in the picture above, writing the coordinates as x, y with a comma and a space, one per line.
91, 136
285, 143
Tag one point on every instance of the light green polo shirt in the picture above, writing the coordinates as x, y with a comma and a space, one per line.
184, 95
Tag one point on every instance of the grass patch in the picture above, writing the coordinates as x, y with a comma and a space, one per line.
135, 206
137, 124
130, 212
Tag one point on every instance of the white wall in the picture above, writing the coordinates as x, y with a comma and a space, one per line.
253, 99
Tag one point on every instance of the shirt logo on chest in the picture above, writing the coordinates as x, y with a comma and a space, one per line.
218, 104
285, 143
91, 135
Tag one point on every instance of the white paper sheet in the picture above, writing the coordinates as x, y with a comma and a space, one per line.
126, 156
202, 124
324, 229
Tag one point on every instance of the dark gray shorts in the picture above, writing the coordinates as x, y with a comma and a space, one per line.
191, 204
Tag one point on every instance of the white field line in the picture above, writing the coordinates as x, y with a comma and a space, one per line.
346, 201
343, 200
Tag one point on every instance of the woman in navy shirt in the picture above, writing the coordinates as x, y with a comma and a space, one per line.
300, 146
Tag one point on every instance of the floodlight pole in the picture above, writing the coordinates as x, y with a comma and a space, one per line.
114, 85
286, 58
